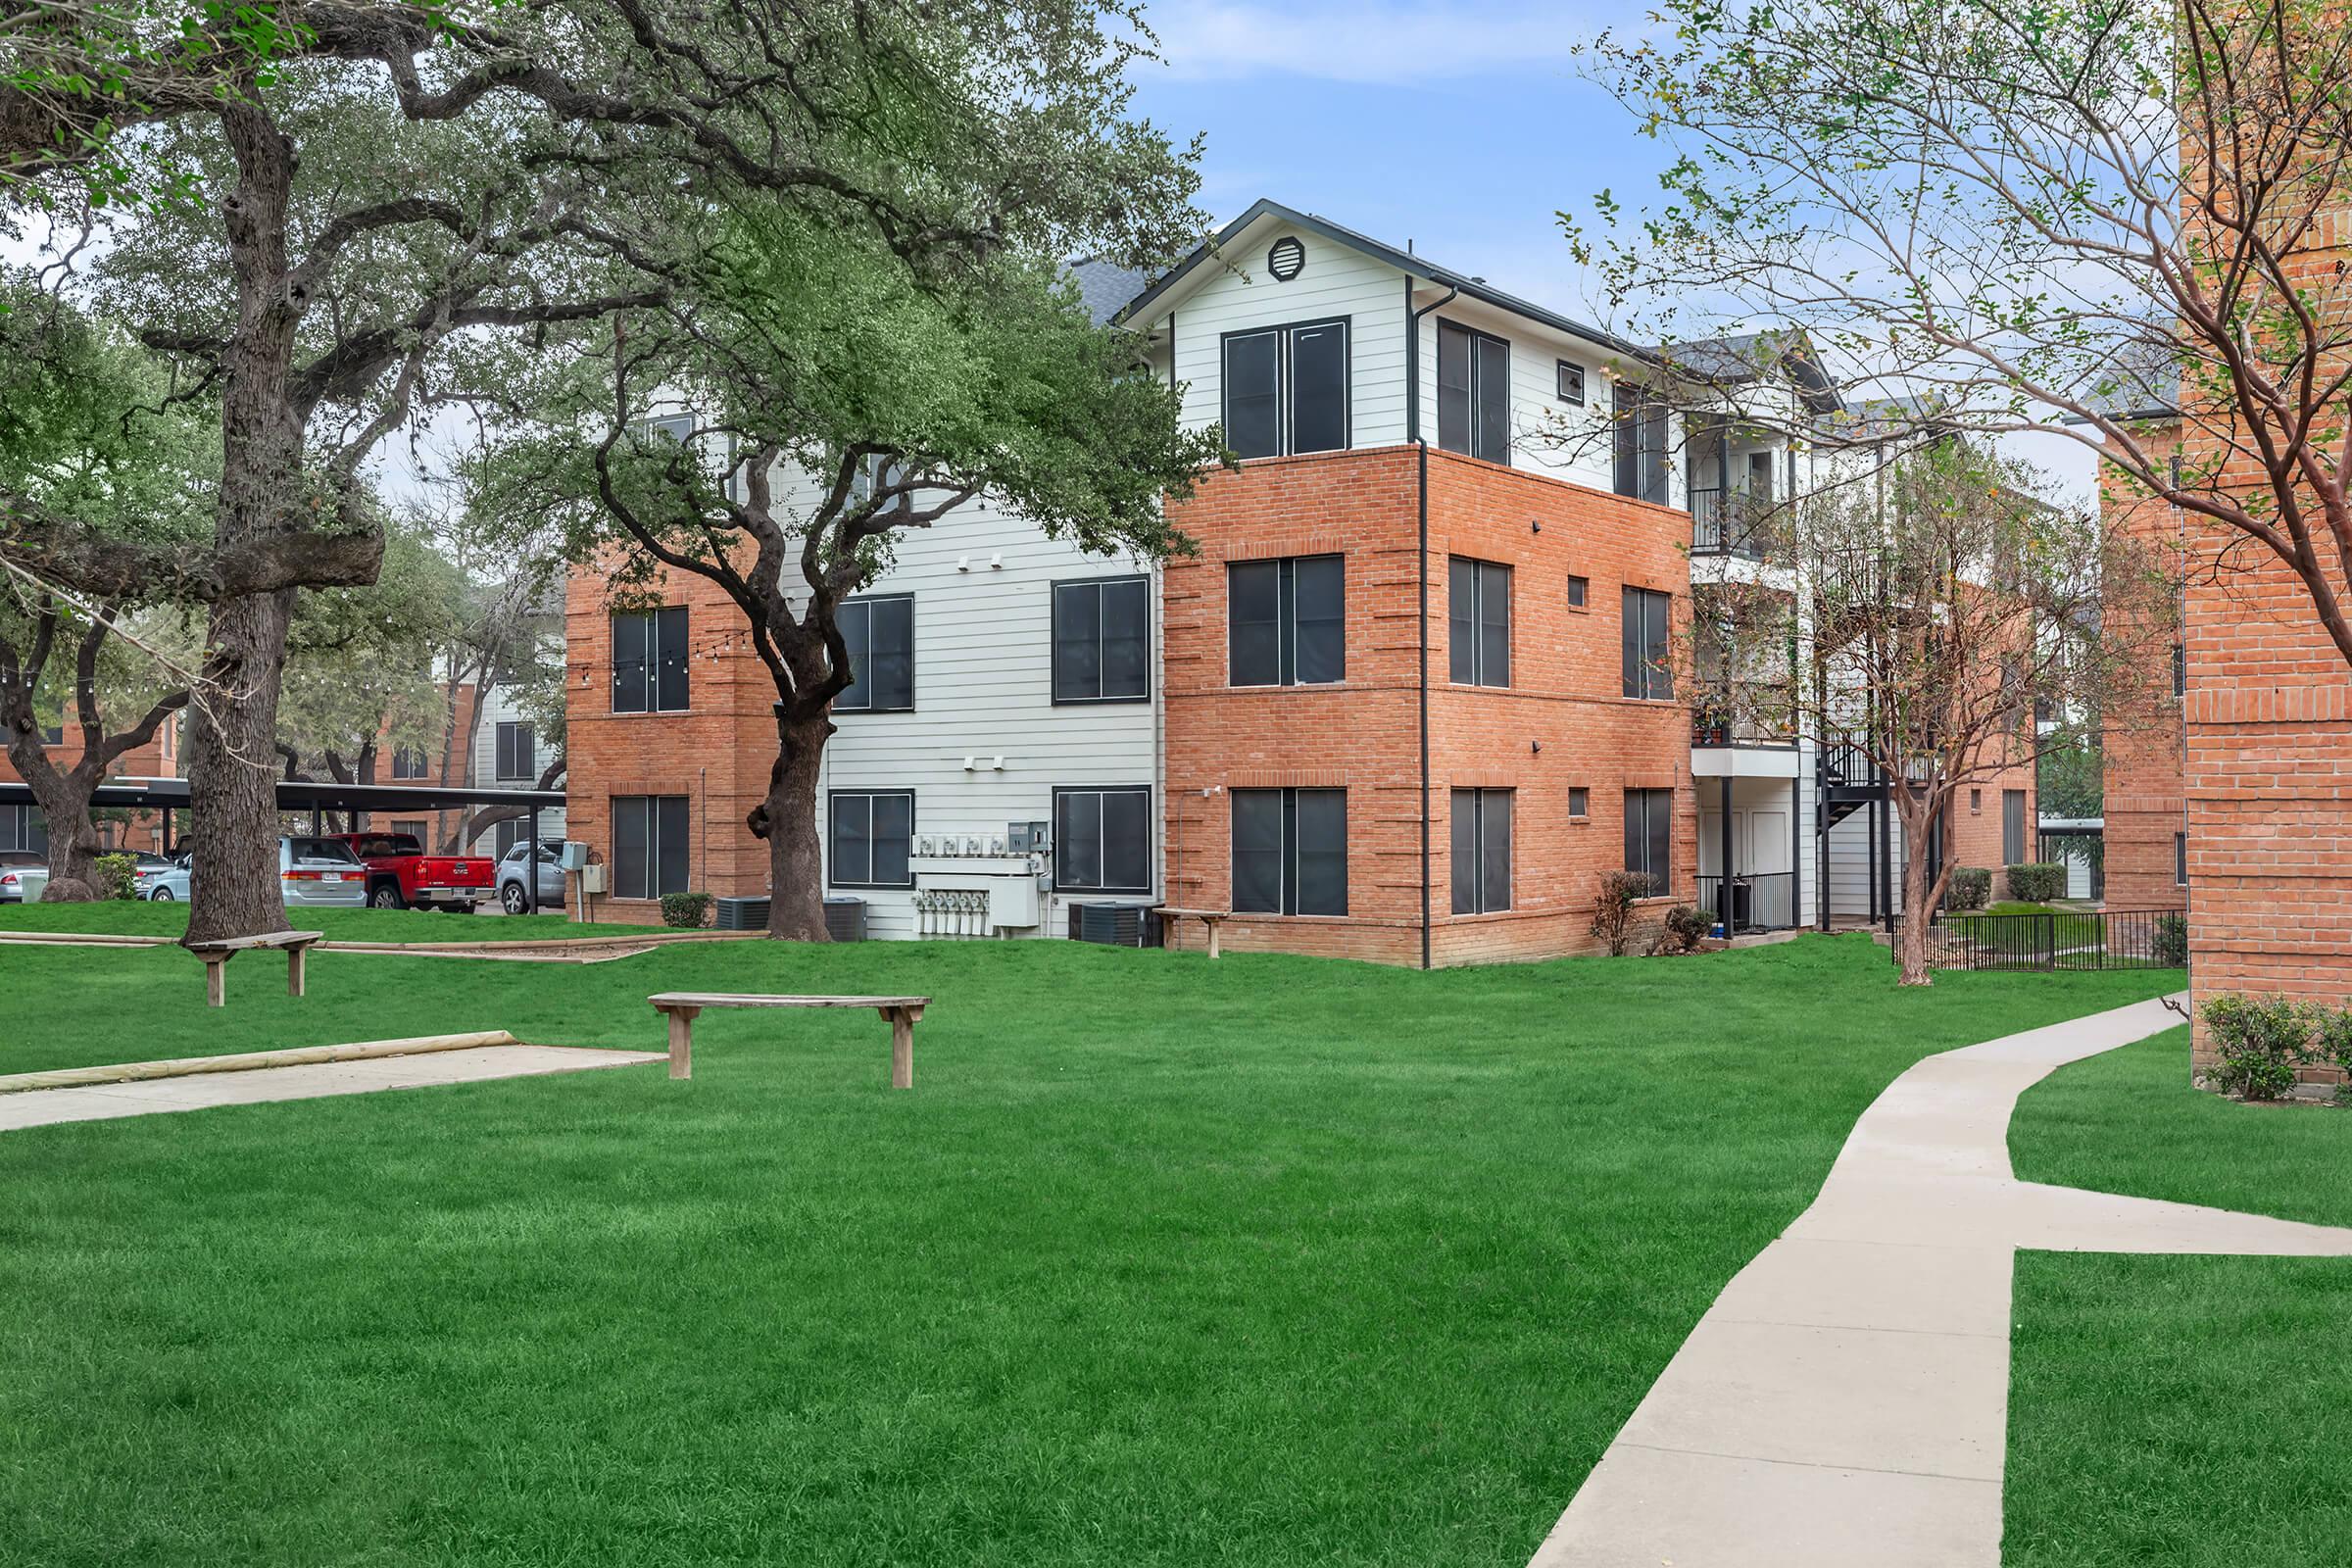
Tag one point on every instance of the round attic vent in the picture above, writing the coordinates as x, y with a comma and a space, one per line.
1286, 258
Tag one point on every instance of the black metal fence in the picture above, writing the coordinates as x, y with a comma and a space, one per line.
1763, 901
2123, 939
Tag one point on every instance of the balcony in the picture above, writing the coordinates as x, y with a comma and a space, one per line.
1740, 523
1757, 713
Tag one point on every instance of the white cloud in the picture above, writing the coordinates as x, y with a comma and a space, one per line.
1390, 44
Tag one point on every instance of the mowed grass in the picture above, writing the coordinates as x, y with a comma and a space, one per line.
2186, 1411
1268, 1261
143, 917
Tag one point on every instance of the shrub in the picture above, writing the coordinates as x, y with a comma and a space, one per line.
2260, 1042
114, 876
2038, 882
2167, 943
688, 910
1971, 888
2333, 1046
1688, 925
1655, 939
1614, 909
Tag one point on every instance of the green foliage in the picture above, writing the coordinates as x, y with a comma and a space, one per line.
1613, 902
112, 877
2038, 882
2259, 1043
2168, 941
686, 910
1969, 888
1689, 925
361, 661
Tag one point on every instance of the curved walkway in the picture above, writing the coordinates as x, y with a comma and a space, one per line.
1845, 1400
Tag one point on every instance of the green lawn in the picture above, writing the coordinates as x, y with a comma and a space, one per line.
1268, 1261
138, 917
2181, 1410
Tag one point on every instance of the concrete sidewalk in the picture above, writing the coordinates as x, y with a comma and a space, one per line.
39, 1108
1845, 1400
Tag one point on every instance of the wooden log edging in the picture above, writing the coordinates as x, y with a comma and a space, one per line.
249, 1060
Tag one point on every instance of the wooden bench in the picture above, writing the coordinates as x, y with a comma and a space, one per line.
216, 955
902, 1012
1211, 918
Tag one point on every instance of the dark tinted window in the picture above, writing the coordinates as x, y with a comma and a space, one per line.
1289, 851
872, 838
1640, 439
1474, 393
880, 634
518, 754
1580, 589
630, 688
1649, 836
1645, 648
1319, 387
1103, 839
1253, 394
1287, 621
2013, 827
1479, 622
649, 662
1482, 851
670, 666
1286, 389
1103, 640
651, 845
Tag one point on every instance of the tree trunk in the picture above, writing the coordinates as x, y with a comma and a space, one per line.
1912, 940
787, 820
64, 795
232, 791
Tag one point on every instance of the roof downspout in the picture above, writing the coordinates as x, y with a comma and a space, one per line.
1412, 433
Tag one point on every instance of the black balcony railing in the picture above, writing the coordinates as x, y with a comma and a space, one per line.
1733, 524
1756, 714
2064, 939
1760, 901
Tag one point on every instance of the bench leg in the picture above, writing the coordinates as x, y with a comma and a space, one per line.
902, 1048
294, 957
215, 981
682, 1043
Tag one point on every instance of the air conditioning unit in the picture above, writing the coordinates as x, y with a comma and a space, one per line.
1115, 925
741, 915
845, 919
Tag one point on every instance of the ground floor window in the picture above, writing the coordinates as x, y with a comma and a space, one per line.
1289, 851
1482, 851
413, 829
2180, 859
649, 839
2013, 827
21, 827
1103, 839
1649, 836
512, 831
873, 834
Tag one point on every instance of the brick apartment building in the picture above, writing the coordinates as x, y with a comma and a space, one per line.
1409, 701
22, 827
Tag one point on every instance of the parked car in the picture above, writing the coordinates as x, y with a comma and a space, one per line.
22, 875
551, 877
400, 873
160, 880
320, 874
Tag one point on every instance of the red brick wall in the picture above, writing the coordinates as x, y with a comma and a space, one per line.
1563, 721
143, 832
2142, 749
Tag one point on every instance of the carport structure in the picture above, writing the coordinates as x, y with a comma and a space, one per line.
168, 796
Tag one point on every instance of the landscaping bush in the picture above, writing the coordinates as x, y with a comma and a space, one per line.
2168, 943
688, 910
2260, 1042
1971, 888
2333, 1046
112, 877
1687, 925
2037, 883
1614, 909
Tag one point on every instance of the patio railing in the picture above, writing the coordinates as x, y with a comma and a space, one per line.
2064, 939
1761, 901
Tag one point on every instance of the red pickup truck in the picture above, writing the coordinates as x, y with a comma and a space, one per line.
400, 873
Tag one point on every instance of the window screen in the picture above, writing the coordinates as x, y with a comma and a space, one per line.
872, 835
1482, 851
1319, 387
2013, 827
518, 753
1641, 441
649, 662
1479, 622
1648, 652
1253, 394
1286, 621
1103, 839
1474, 393
880, 633
649, 845
1286, 389
1289, 851
1649, 836
1103, 640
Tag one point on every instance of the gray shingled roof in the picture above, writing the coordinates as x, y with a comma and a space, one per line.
1106, 287
2140, 381
1753, 356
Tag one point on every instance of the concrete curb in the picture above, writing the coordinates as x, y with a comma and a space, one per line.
249, 1060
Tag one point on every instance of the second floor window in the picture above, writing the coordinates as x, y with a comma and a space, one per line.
1474, 393
1641, 441
408, 761
880, 633
1649, 837
1103, 640
1286, 389
1479, 622
1648, 652
1286, 621
517, 754
1103, 839
649, 662
1289, 851
1482, 851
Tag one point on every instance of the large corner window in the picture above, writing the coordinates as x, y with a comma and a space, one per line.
1286, 389
1649, 837
1641, 440
649, 662
872, 834
650, 841
1103, 640
1648, 652
1103, 839
1482, 851
880, 633
1474, 393
1289, 851
1478, 632
1286, 621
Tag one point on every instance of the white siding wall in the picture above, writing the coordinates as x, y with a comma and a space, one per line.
1547, 436
1849, 865
983, 688
501, 708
